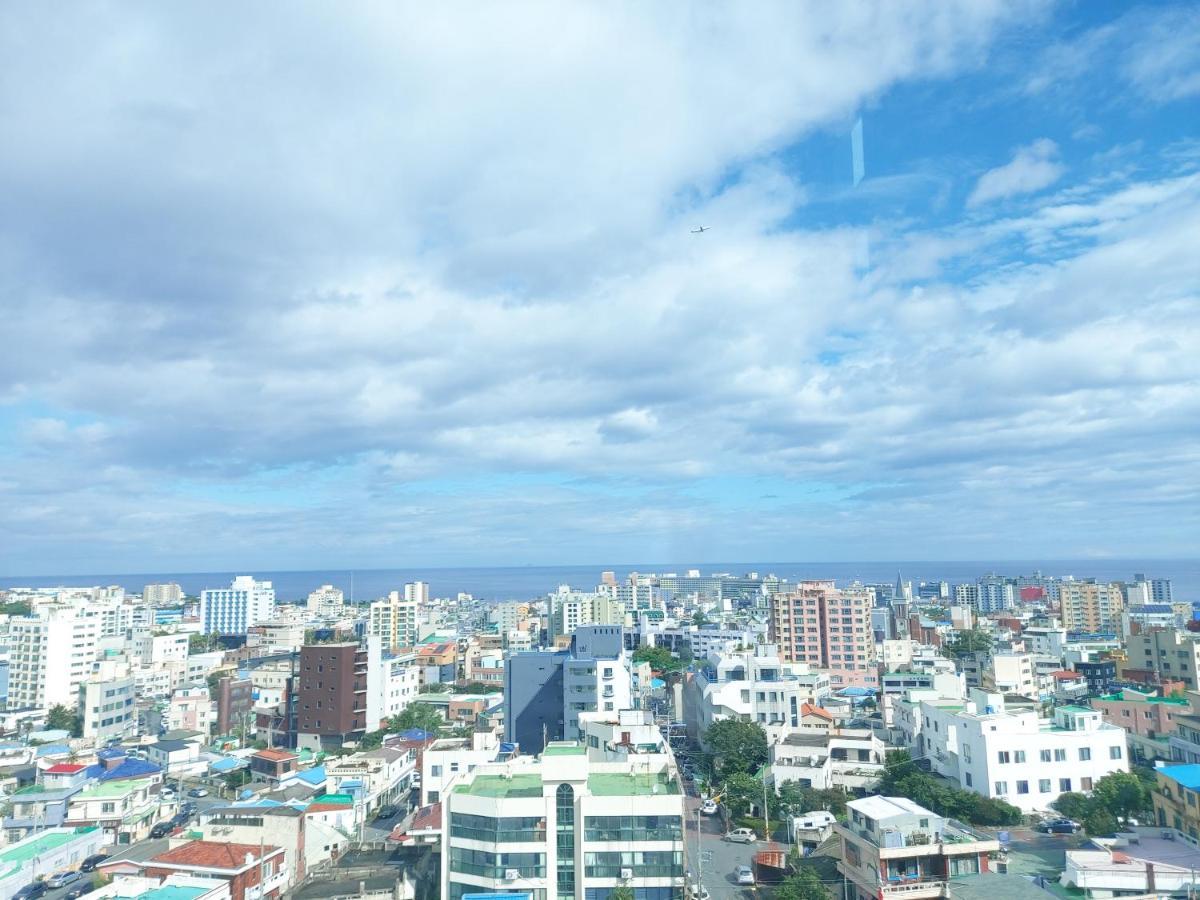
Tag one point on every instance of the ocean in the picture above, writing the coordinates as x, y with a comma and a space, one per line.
528, 582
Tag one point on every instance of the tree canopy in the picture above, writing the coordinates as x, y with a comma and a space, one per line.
742, 791
735, 747
660, 658
902, 778
64, 718
417, 715
966, 642
804, 885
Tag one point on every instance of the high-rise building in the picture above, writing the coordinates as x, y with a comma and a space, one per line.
544, 692
107, 708
394, 619
1160, 588
417, 591
331, 694
967, 595
563, 827
51, 655
1091, 606
233, 610
162, 594
996, 593
570, 609
326, 601
828, 628
1169, 654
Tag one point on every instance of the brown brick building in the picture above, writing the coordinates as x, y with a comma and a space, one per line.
331, 693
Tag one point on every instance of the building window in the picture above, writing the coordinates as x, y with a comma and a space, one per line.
1115, 752
1001, 787
1022, 787
1085, 754
1043, 785
968, 779
1060, 755
1019, 756
1003, 756
1045, 754
1085, 784
1064, 784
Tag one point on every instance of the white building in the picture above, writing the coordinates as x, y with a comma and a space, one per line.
107, 708
326, 601
615, 736
1014, 756
564, 826
234, 609
570, 609
50, 656
393, 682
751, 685
148, 649
446, 759
168, 594
851, 759
394, 619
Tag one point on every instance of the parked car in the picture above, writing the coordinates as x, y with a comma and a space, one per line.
30, 891
1057, 826
167, 794
180, 819
709, 808
742, 836
744, 875
387, 811
198, 792
62, 879
697, 892
89, 864
189, 808
162, 829
78, 891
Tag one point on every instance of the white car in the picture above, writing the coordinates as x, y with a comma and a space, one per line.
697, 892
744, 875
167, 794
709, 808
742, 836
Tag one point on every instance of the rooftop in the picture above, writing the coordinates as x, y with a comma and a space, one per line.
24, 851
564, 748
110, 789
1119, 696
620, 784
524, 785
215, 855
1186, 775
173, 892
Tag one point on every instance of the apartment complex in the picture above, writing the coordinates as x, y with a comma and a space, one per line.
326, 601
562, 826
233, 610
50, 656
1169, 654
571, 609
331, 694
1091, 606
829, 628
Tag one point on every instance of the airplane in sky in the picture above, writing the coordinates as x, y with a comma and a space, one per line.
701, 228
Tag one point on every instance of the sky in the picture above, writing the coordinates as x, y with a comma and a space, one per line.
306, 285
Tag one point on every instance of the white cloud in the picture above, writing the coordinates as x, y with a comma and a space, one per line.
1032, 168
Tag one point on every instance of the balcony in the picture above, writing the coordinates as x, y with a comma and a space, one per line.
915, 887
278, 881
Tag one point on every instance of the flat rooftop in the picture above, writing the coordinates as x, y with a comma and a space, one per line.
619, 784
44, 843
564, 748
523, 785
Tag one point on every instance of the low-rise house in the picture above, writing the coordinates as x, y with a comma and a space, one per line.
811, 829
124, 810
36, 807
847, 758
275, 766
891, 847
613, 736
1148, 720
253, 871
1177, 799
174, 757
374, 777
276, 825
1139, 862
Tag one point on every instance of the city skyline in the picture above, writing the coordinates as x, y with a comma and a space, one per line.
399, 287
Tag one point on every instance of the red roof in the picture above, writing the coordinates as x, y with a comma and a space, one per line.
327, 807
1067, 675
809, 709
214, 855
276, 755
427, 817
65, 769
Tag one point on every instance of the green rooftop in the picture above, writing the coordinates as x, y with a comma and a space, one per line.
564, 748
524, 785
171, 892
618, 784
1145, 698
109, 789
1076, 709
45, 842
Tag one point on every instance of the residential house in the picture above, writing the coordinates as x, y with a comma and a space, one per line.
851, 759
124, 810
1148, 720
276, 825
253, 871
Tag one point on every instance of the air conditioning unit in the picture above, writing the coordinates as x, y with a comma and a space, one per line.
512, 874
626, 874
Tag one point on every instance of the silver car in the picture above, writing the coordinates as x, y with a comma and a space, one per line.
742, 836
744, 875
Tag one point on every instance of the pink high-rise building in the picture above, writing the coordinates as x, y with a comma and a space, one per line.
827, 627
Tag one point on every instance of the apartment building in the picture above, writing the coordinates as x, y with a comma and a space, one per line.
1091, 606
892, 847
326, 601
827, 628
394, 620
393, 682
123, 809
614, 737
571, 609
50, 656
167, 594
850, 759
1171, 655
1015, 756
564, 826
331, 694
1177, 799
1148, 720
107, 708
752, 686
233, 610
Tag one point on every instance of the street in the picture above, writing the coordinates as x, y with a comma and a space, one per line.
714, 860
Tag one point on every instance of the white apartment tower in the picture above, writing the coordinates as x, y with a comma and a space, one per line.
162, 594
51, 655
394, 619
235, 609
326, 601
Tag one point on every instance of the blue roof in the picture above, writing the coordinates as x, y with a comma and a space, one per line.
315, 775
131, 768
53, 749
856, 692
416, 734
1186, 775
110, 753
226, 764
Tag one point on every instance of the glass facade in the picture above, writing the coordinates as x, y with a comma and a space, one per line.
494, 865
645, 863
524, 829
633, 828
565, 840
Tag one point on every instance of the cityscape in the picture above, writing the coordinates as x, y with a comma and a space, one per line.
630, 450
690, 733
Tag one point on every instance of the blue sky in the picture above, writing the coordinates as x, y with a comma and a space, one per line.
289, 287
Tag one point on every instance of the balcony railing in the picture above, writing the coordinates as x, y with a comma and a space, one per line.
901, 887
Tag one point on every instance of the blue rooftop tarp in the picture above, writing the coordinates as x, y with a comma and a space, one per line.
53, 749
1187, 775
131, 768
315, 775
226, 764
416, 734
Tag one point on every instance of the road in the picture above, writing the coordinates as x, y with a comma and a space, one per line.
716, 857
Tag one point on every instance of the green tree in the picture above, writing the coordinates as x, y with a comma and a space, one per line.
1123, 794
736, 747
237, 779
62, 717
621, 892
201, 643
966, 642
1099, 821
795, 800
417, 715
436, 687
660, 658
804, 885
741, 792
1073, 805
698, 618
17, 608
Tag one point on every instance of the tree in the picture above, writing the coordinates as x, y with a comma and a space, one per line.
966, 642
62, 718
742, 791
660, 658
417, 715
17, 608
1072, 805
1122, 794
237, 778
372, 740
621, 892
201, 643
736, 747
698, 618
804, 885
436, 687
794, 800
1099, 821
